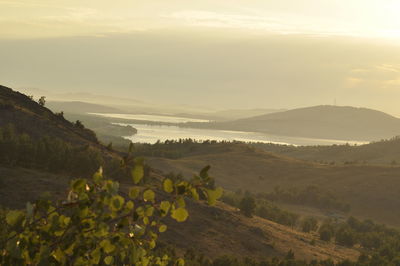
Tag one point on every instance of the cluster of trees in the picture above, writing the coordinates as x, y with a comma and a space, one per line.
250, 205
310, 196
46, 153
366, 234
175, 149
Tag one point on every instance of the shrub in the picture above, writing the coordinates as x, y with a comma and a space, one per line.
247, 206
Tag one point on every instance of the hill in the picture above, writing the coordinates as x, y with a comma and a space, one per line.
379, 152
229, 114
212, 230
28, 117
371, 190
325, 122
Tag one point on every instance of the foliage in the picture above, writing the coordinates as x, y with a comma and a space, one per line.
310, 196
79, 124
174, 149
42, 101
326, 231
46, 153
345, 236
247, 205
264, 208
309, 224
97, 224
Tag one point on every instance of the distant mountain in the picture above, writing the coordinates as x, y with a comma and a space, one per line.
80, 96
326, 122
78, 107
232, 114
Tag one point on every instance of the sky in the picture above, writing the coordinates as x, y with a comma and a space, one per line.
214, 54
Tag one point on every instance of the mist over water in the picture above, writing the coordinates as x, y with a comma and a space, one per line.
153, 118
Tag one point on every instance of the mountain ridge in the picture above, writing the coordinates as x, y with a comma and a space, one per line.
323, 121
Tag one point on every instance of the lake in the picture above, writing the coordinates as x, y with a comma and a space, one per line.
153, 133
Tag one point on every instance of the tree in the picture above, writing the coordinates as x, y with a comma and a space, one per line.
96, 224
110, 146
247, 205
326, 232
345, 237
42, 101
309, 224
79, 124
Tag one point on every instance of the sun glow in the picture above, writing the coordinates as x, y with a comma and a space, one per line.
368, 18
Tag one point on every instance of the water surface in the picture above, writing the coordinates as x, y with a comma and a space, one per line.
153, 133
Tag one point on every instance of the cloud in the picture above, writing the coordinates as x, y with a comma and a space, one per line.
280, 23
381, 76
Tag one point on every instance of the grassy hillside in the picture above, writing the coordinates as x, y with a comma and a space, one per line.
213, 231
372, 191
224, 230
380, 152
326, 122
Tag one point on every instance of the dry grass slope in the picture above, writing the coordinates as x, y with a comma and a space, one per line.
372, 191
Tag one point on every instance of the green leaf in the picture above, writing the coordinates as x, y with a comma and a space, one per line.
180, 262
137, 173
149, 195
195, 195
13, 217
134, 192
96, 255
117, 202
214, 195
204, 172
64, 220
181, 202
98, 176
164, 206
107, 246
162, 228
70, 250
79, 185
108, 260
58, 255
140, 211
168, 185
129, 205
149, 211
152, 244
180, 214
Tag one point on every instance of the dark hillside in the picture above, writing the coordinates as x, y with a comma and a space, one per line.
29, 117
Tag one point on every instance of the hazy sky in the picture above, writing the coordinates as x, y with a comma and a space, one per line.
242, 53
